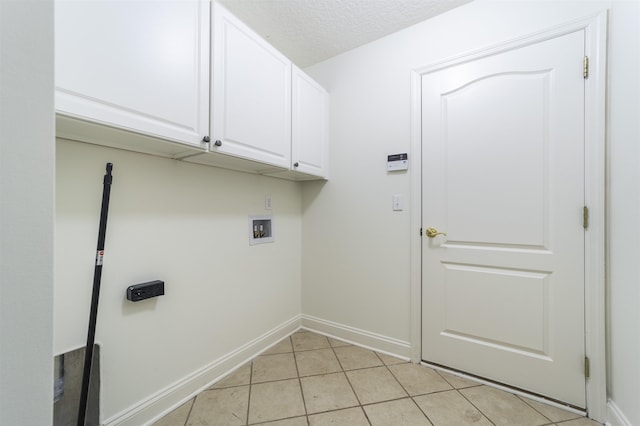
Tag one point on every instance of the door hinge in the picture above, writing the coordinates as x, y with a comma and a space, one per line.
585, 217
585, 67
587, 371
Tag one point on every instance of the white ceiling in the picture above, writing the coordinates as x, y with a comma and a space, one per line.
310, 31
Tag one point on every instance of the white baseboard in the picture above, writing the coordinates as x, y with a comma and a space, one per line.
615, 417
163, 402
377, 342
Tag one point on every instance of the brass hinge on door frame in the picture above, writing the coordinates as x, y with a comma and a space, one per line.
585, 67
587, 371
585, 217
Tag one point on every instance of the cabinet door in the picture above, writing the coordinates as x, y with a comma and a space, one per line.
310, 105
141, 66
251, 81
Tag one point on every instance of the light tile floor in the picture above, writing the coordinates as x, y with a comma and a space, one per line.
310, 380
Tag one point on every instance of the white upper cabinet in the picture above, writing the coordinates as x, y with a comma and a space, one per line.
251, 97
139, 66
163, 77
310, 125
309, 129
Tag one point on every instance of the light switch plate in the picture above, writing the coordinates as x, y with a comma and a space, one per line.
397, 202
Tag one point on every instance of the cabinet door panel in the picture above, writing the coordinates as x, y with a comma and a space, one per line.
251, 114
309, 153
136, 65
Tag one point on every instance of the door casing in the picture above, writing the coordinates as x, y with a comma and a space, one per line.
595, 28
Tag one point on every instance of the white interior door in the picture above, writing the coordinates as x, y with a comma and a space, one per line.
503, 177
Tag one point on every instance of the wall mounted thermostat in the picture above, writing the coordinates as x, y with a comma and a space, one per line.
397, 162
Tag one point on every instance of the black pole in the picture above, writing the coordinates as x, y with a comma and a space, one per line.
97, 275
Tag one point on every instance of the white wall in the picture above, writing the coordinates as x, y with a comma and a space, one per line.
26, 212
624, 210
356, 250
185, 224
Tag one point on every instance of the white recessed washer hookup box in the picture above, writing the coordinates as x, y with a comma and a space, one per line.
397, 162
260, 229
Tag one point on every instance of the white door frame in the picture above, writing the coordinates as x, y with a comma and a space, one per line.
595, 28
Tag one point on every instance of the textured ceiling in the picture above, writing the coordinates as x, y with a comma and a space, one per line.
310, 31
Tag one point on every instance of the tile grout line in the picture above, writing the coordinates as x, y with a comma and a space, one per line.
474, 406
346, 376
293, 354
465, 398
343, 371
405, 389
393, 375
193, 402
552, 422
250, 388
536, 410
421, 410
295, 362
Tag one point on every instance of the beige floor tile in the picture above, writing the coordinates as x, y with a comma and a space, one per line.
390, 360
449, 408
353, 357
320, 361
418, 379
307, 341
401, 412
375, 385
335, 343
277, 397
242, 376
348, 417
283, 346
220, 407
327, 392
275, 401
177, 417
457, 381
503, 408
554, 414
268, 368
298, 421
583, 421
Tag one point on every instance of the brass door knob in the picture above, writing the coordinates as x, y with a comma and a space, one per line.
433, 232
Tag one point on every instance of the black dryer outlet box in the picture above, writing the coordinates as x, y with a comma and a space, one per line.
142, 291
